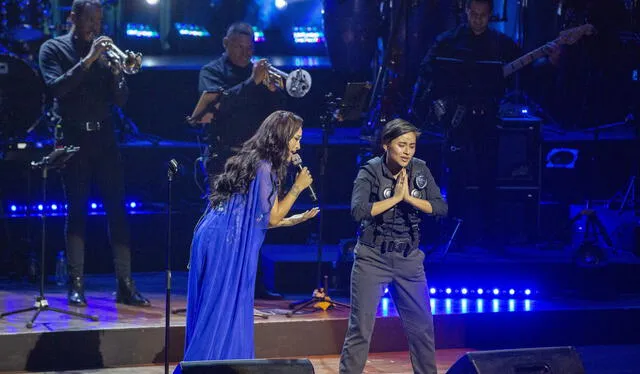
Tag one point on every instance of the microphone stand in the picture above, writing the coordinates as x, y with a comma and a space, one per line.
171, 173
55, 160
320, 294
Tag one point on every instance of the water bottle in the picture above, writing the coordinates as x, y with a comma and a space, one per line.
61, 269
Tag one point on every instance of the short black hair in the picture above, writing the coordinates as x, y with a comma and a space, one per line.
79, 5
242, 28
396, 128
490, 2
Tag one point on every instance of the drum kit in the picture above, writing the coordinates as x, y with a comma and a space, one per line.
24, 26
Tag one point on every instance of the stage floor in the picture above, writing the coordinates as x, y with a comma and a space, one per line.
128, 336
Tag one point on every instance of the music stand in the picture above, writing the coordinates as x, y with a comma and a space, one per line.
54, 160
203, 113
206, 108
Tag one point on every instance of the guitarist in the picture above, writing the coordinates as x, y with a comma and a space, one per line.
463, 72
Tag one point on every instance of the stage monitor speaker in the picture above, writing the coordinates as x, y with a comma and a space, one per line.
551, 360
279, 366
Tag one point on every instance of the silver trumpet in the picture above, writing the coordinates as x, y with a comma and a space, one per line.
127, 62
296, 84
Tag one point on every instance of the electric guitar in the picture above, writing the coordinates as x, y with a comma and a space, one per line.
448, 113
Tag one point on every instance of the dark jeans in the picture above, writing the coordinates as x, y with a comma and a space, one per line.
99, 161
372, 271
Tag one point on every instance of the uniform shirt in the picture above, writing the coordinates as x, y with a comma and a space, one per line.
375, 183
81, 95
244, 104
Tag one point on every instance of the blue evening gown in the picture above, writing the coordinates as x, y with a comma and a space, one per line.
223, 265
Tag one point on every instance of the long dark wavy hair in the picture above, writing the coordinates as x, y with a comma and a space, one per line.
270, 143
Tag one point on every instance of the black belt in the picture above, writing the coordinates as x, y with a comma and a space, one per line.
404, 247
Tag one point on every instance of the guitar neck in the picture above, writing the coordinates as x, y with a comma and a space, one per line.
523, 61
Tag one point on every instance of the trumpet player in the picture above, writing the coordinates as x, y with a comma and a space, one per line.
245, 102
85, 89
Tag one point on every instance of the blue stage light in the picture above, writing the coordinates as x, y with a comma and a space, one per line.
432, 290
464, 291
186, 29
54, 207
527, 292
307, 35
480, 291
40, 207
496, 291
512, 291
14, 208
448, 291
133, 204
138, 30
281, 4
94, 206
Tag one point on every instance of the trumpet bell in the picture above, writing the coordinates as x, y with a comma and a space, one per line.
298, 83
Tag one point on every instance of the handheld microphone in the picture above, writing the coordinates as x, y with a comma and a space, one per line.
296, 160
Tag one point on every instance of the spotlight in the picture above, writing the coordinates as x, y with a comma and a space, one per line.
14, 208
448, 291
496, 291
152, 2
133, 204
432, 291
512, 292
281, 4
54, 207
527, 292
464, 291
94, 205
40, 207
480, 291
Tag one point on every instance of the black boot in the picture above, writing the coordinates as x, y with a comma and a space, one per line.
127, 293
76, 292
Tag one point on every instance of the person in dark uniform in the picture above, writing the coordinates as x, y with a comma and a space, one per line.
246, 100
390, 195
86, 89
464, 80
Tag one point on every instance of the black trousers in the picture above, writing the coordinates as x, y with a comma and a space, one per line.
99, 161
372, 271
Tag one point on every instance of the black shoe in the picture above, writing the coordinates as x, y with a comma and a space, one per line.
76, 292
268, 295
126, 293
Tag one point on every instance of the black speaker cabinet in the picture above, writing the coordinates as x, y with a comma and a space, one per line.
279, 366
519, 152
552, 360
510, 216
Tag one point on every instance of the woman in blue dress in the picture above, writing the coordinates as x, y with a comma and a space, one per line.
245, 200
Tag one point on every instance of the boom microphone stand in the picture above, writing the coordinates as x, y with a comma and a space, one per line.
320, 294
55, 160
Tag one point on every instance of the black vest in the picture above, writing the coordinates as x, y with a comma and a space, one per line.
401, 222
